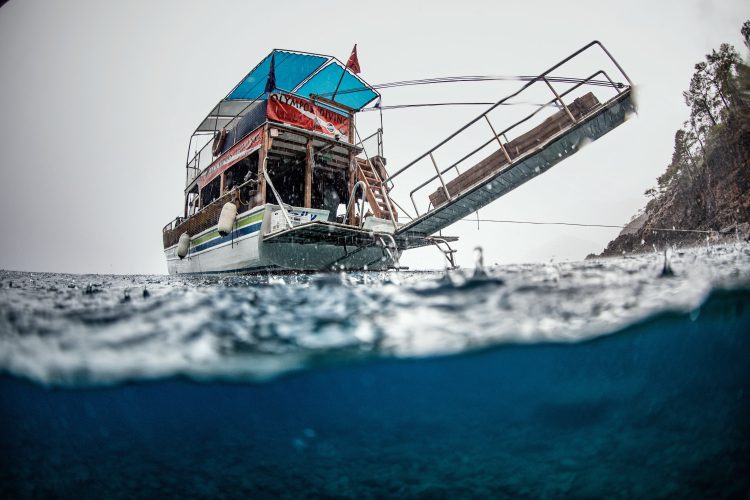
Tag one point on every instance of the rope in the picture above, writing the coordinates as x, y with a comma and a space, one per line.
429, 104
479, 78
611, 226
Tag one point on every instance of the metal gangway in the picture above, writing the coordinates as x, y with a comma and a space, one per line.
447, 183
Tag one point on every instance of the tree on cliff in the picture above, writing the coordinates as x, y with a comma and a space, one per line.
718, 92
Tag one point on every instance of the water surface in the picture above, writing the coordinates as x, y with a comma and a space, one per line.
580, 379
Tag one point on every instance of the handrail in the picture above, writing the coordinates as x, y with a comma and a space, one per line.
501, 101
379, 135
198, 153
363, 187
276, 193
377, 132
173, 223
180, 219
506, 130
393, 256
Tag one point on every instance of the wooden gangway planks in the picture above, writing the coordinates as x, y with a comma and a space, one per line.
517, 147
533, 154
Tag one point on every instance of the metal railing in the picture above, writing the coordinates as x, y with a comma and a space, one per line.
361, 185
173, 223
193, 165
556, 100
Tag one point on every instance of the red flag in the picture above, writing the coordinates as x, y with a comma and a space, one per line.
353, 62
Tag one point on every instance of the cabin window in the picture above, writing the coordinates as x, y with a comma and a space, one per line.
210, 192
288, 176
243, 176
241, 173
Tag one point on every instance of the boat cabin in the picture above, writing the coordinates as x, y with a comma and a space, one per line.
291, 140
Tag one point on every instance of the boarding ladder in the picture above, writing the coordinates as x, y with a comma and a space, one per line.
370, 172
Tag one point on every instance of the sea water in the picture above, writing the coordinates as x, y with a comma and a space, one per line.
583, 379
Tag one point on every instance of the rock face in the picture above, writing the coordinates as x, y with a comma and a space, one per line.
716, 198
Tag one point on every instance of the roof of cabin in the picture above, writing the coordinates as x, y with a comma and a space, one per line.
301, 73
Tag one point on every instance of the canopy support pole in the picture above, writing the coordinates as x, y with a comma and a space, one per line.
262, 156
309, 173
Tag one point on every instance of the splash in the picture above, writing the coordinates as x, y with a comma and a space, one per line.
66, 330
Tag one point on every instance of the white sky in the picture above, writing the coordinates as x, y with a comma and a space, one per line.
98, 100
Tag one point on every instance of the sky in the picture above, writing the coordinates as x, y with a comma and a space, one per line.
98, 100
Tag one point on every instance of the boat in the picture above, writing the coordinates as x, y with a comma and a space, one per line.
279, 178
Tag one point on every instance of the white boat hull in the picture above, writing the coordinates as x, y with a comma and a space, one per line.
245, 251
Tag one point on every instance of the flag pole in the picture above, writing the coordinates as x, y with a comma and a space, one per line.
340, 80
354, 63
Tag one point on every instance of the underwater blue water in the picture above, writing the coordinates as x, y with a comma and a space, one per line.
590, 379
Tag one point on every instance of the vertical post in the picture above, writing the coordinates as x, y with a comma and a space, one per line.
351, 128
262, 154
380, 136
222, 183
309, 173
497, 138
352, 181
557, 96
352, 164
440, 176
187, 162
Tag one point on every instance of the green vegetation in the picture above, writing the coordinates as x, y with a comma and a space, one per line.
719, 99
706, 186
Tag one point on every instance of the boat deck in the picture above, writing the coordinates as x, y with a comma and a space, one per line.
331, 233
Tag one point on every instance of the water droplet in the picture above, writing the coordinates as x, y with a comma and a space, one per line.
667, 269
479, 262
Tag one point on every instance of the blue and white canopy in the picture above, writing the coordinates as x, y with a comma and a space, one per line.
296, 72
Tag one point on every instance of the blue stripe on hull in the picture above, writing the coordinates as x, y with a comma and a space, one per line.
252, 228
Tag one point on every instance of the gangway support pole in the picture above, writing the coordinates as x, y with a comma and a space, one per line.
557, 97
497, 138
440, 176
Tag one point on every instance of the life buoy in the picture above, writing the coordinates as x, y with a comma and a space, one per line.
219, 139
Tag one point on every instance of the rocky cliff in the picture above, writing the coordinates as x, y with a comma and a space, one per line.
706, 187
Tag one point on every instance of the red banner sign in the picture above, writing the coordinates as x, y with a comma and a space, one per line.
302, 113
241, 150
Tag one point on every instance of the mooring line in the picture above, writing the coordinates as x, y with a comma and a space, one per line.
611, 226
